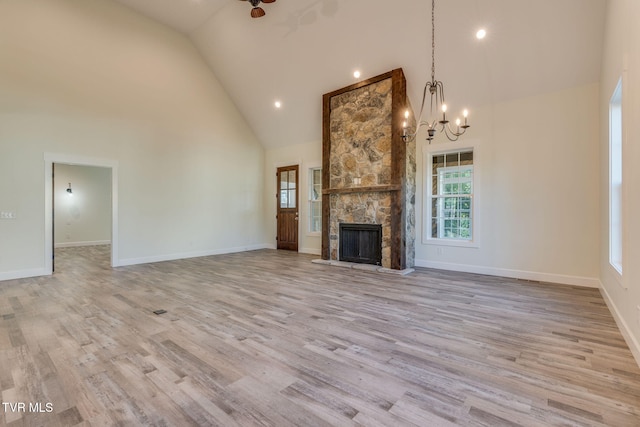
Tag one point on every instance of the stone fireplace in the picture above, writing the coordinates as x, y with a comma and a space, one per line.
368, 170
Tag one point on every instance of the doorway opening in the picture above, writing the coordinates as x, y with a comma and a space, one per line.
81, 214
67, 210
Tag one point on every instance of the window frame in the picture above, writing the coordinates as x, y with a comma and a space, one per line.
429, 151
443, 195
616, 249
310, 201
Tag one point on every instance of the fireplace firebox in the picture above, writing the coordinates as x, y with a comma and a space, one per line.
361, 243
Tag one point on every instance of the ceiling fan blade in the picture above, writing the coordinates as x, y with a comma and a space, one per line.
268, 1
257, 12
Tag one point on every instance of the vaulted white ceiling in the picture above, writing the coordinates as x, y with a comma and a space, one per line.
302, 49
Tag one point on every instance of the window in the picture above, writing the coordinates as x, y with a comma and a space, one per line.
315, 200
615, 179
451, 196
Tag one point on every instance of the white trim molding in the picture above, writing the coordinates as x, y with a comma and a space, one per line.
588, 282
633, 344
24, 274
76, 244
430, 150
310, 251
197, 254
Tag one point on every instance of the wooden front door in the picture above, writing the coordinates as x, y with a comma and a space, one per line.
287, 213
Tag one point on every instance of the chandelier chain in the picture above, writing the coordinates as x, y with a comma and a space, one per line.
433, 41
434, 89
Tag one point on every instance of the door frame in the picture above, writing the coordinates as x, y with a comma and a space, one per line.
298, 207
74, 160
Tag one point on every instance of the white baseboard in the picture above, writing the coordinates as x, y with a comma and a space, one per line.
632, 342
589, 282
311, 251
74, 244
185, 255
23, 274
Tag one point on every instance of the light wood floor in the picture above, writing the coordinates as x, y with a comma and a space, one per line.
268, 338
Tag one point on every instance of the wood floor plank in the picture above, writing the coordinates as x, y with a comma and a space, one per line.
267, 338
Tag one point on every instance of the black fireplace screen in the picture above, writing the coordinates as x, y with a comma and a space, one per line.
361, 243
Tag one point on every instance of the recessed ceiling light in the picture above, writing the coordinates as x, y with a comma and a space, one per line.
482, 33
277, 104
356, 74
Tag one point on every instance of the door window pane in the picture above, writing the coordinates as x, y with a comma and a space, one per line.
292, 179
288, 189
292, 199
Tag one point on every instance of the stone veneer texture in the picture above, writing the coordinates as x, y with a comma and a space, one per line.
361, 136
410, 203
361, 148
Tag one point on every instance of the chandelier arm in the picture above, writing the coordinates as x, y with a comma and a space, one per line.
451, 136
424, 98
419, 121
460, 131
441, 88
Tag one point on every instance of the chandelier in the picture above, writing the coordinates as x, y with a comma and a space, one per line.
257, 11
435, 90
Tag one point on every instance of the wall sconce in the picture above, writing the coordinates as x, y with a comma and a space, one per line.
69, 190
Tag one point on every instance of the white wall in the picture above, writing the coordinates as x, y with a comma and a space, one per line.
537, 190
306, 156
82, 217
621, 58
93, 79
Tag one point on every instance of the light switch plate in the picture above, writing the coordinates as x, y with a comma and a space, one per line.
7, 215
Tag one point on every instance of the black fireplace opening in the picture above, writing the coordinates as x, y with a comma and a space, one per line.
361, 243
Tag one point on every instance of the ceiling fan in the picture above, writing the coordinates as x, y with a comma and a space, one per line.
257, 11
